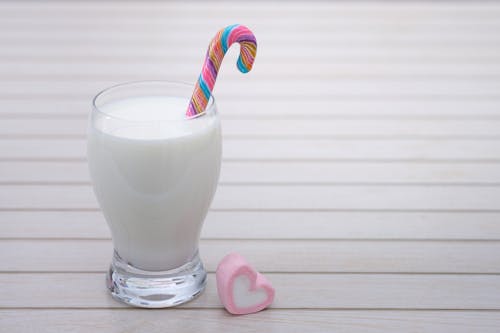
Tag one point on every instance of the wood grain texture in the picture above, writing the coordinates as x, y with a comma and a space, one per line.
338, 256
288, 149
284, 224
277, 172
280, 197
17, 67
40, 107
253, 87
289, 128
206, 320
297, 34
44, 58
343, 291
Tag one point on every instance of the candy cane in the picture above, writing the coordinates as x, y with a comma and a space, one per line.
213, 59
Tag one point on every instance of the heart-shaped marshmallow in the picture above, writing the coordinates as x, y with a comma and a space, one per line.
241, 288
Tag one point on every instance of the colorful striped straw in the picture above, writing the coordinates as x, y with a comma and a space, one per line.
216, 50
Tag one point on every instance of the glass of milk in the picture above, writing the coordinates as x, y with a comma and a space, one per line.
154, 174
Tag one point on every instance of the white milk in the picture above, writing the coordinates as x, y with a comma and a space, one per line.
154, 180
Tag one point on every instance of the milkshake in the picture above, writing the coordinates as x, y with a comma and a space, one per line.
154, 173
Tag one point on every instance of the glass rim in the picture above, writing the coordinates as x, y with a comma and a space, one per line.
210, 109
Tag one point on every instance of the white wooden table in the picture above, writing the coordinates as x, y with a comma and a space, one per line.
361, 166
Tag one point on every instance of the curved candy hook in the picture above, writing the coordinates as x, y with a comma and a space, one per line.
216, 50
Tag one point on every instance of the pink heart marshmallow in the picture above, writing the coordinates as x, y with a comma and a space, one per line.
242, 290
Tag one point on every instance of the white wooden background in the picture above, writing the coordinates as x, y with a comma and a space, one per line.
361, 166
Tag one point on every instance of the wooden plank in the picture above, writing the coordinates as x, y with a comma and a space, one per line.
107, 36
338, 256
253, 15
181, 320
468, 37
383, 12
289, 149
123, 37
273, 225
388, 7
289, 128
273, 197
103, 31
415, 10
372, 149
122, 70
254, 87
262, 14
344, 291
64, 56
298, 108
196, 25
194, 16
54, 172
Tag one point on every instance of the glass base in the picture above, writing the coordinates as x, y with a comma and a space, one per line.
155, 289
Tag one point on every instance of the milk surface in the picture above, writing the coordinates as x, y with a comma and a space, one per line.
154, 174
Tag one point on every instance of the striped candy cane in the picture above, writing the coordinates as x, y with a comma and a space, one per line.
216, 50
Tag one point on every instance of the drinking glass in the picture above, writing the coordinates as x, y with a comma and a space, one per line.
154, 173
